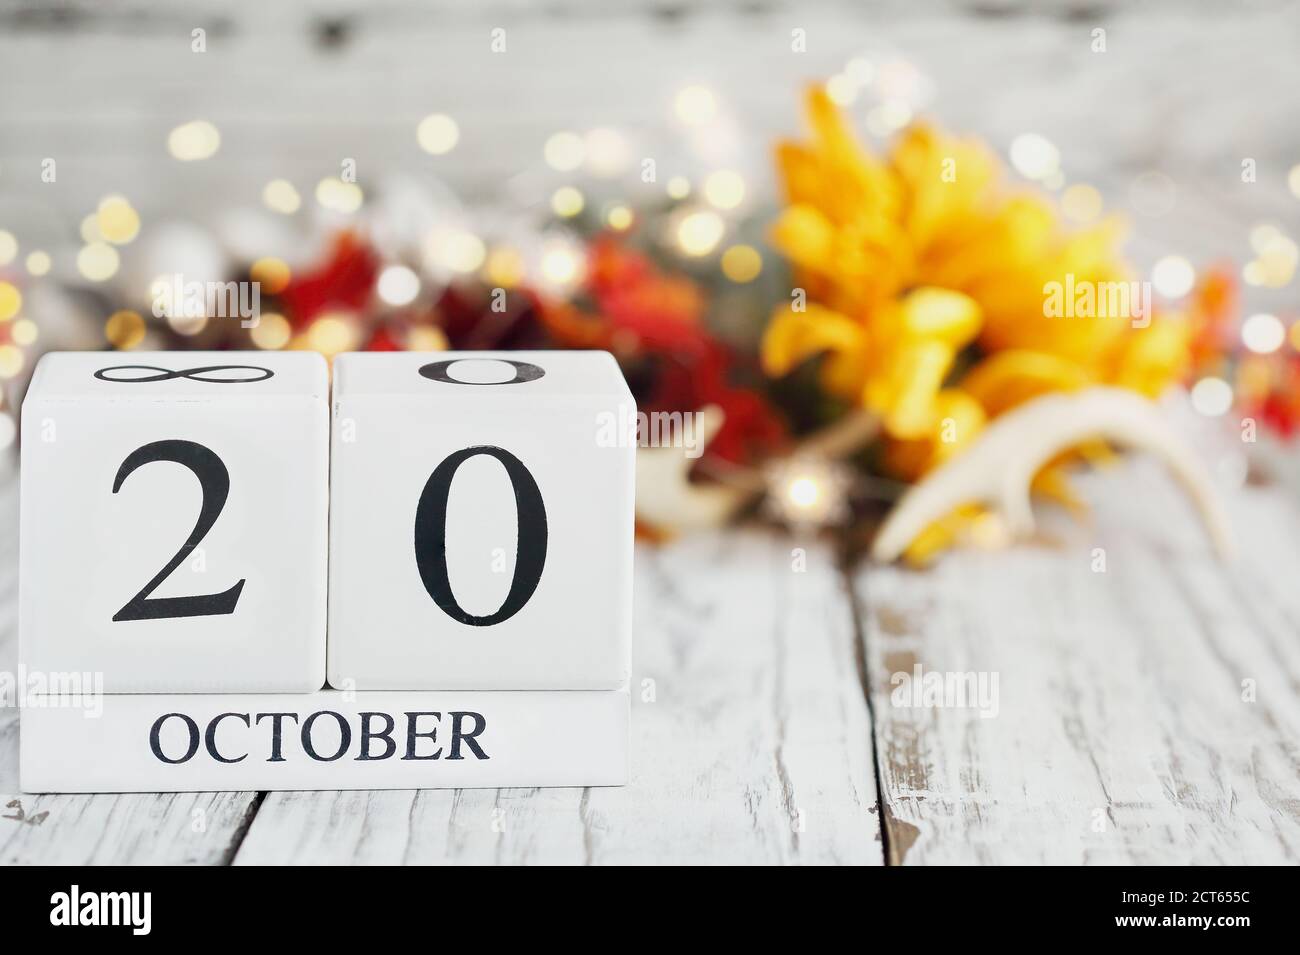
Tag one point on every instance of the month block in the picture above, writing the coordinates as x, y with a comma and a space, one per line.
481, 521
175, 521
329, 739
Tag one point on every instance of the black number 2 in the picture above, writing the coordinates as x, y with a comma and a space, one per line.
431, 536
214, 480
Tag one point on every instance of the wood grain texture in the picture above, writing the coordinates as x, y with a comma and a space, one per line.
756, 747
296, 88
1123, 731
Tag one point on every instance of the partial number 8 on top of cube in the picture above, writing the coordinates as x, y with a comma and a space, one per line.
481, 521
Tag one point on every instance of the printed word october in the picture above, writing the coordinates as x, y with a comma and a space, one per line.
323, 736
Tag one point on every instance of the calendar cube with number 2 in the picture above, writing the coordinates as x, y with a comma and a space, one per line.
174, 521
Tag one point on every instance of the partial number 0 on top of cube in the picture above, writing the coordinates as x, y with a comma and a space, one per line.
174, 520
481, 521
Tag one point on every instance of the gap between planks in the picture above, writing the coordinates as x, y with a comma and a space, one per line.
1124, 732
757, 747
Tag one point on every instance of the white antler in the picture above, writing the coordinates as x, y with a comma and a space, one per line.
998, 467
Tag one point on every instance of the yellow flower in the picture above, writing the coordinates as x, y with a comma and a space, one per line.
949, 188
958, 419
1149, 361
908, 259
1006, 378
842, 227
894, 366
792, 337
930, 289
913, 342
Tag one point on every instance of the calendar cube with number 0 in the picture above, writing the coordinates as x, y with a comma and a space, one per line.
481, 522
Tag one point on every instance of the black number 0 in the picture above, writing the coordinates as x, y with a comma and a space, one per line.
431, 536
214, 480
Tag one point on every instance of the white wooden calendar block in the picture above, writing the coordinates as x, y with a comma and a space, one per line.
174, 520
481, 521
324, 740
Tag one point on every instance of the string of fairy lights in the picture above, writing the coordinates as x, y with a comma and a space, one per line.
702, 228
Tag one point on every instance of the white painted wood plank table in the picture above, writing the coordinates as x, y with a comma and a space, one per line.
1145, 713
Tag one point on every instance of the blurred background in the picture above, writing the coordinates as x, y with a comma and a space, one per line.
379, 168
